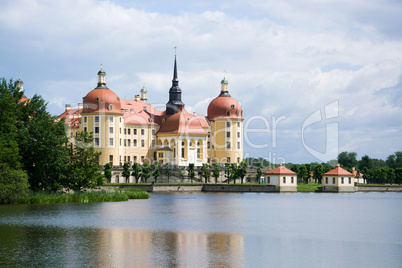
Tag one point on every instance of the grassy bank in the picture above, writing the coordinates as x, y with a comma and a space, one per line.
181, 183
84, 197
310, 187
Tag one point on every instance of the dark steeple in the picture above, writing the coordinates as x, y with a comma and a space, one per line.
174, 93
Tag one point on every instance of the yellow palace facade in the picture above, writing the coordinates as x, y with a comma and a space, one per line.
132, 130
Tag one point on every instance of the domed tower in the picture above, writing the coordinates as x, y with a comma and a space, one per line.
102, 116
226, 118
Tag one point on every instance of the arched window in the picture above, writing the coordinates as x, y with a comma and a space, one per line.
182, 149
198, 150
232, 106
227, 113
110, 107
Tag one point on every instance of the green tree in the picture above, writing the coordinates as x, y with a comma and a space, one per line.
191, 173
156, 171
365, 162
318, 172
145, 172
367, 175
206, 173
126, 172
168, 171
181, 174
42, 143
83, 168
242, 170
108, 172
304, 173
228, 171
390, 175
136, 171
13, 184
258, 177
348, 160
215, 172
9, 150
398, 175
380, 175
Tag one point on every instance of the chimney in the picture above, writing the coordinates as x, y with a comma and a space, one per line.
353, 168
195, 113
68, 107
137, 98
80, 106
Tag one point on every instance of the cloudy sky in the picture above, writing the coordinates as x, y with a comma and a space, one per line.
314, 77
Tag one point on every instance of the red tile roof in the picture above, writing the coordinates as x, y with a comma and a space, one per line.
338, 171
281, 170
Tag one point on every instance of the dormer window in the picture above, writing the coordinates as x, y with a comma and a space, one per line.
86, 107
110, 107
97, 99
227, 113
237, 113
232, 106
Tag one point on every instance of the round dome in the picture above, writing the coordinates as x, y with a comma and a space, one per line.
224, 106
101, 100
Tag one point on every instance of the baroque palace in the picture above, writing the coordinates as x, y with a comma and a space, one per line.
133, 130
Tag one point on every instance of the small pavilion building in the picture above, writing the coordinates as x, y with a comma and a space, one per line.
283, 178
338, 180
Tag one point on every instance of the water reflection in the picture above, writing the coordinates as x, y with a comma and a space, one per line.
125, 247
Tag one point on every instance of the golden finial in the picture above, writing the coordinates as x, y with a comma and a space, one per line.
101, 66
19, 75
175, 51
224, 74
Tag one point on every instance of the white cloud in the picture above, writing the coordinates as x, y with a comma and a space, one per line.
285, 58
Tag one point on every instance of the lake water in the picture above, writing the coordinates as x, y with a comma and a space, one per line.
208, 230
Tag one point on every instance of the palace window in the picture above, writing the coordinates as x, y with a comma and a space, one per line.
111, 141
228, 113
85, 119
110, 107
227, 124
125, 142
153, 143
111, 159
153, 131
228, 145
125, 131
238, 145
182, 149
238, 134
135, 143
284, 179
142, 159
198, 150
227, 159
228, 134
96, 119
96, 129
135, 131
238, 160
208, 144
128, 142
85, 129
120, 130
142, 143
96, 141
120, 142
129, 131
135, 158
142, 131
110, 129
111, 119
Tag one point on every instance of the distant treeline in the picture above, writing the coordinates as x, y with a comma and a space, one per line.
372, 170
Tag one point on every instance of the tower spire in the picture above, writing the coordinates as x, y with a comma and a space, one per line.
174, 93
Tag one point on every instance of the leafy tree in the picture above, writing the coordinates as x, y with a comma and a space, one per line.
206, 173
367, 175
242, 170
395, 160
136, 171
391, 161
228, 171
259, 174
347, 160
168, 171
303, 173
145, 172
108, 172
365, 162
318, 172
380, 175
156, 171
126, 172
84, 170
398, 175
215, 172
13, 184
191, 172
181, 174
390, 175
42, 143
9, 150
